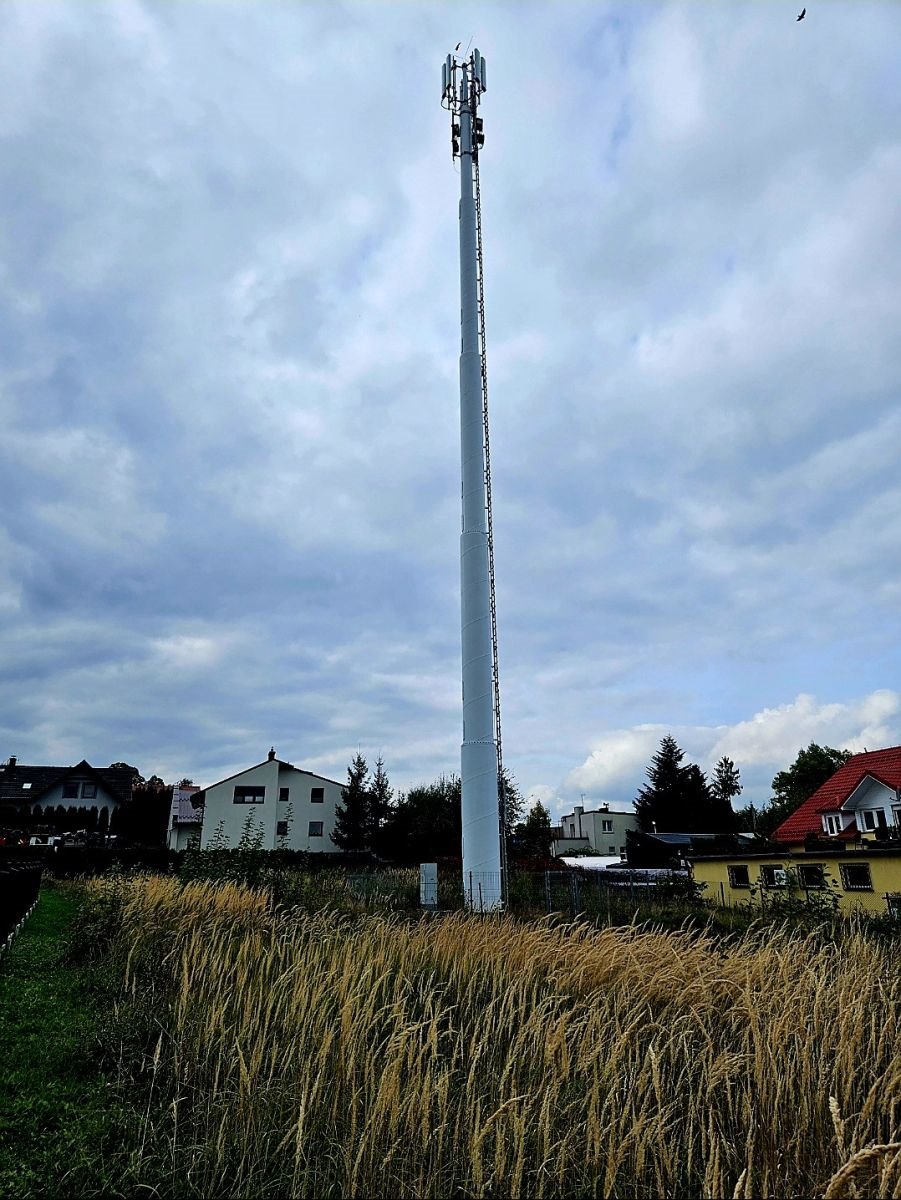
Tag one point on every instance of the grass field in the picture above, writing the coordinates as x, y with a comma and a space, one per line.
315, 1054
63, 1127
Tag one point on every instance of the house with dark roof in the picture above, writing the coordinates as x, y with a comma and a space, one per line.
46, 790
283, 806
845, 839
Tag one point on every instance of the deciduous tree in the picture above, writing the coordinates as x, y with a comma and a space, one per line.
534, 834
810, 770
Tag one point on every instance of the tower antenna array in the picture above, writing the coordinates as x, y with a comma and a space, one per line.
484, 843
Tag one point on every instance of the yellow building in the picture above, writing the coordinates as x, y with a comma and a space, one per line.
864, 875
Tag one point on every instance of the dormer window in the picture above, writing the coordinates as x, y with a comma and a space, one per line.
833, 824
873, 818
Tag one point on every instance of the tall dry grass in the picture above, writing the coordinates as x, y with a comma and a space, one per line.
326, 1055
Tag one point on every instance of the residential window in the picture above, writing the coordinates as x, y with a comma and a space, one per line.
622, 849
70, 791
611, 849
833, 825
893, 904
773, 876
739, 877
281, 828
812, 875
606, 827
250, 795
572, 830
317, 796
89, 791
896, 812
315, 829
25, 787
869, 818
856, 877
283, 794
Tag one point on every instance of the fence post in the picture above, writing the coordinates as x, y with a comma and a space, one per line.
547, 891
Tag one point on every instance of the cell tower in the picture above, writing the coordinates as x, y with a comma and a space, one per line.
484, 844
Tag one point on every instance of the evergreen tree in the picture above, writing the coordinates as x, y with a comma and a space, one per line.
701, 812
380, 796
678, 798
726, 782
659, 803
352, 815
725, 785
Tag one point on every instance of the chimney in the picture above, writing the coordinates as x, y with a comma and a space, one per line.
578, 810
605, 807
271, 753
12, 761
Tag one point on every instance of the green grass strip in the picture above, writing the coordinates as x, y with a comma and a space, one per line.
62, 1127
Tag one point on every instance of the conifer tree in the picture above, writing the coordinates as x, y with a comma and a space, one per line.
726, 782
352, 815
659, 803
724, 787
380, 796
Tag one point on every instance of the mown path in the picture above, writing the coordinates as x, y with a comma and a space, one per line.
62, 1128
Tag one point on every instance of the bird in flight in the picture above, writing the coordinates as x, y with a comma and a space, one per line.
801, 15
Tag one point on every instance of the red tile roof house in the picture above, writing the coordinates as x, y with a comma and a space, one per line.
862, 799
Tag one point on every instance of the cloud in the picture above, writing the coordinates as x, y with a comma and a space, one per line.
766, 743
228, 400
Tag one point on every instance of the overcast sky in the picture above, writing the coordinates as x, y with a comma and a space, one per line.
229, 322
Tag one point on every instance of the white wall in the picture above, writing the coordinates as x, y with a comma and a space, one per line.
873, 796
299, 809
300, 786
590, 824
182, 836
54, 797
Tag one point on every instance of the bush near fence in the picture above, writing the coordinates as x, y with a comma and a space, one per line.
19, 886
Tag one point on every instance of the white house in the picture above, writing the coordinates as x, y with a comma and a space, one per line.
862, 799
294, 809
601, 829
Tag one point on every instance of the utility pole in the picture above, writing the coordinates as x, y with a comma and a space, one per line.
483, 837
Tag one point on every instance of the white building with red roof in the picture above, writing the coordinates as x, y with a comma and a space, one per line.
862, 797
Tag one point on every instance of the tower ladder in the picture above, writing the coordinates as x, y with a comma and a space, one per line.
494, 655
